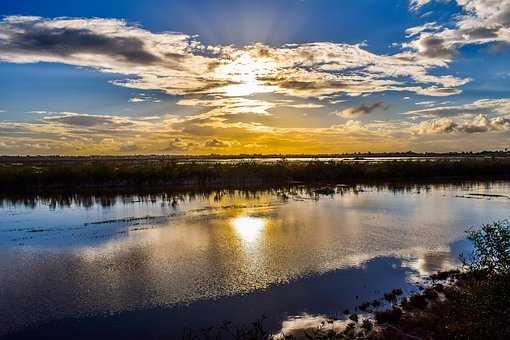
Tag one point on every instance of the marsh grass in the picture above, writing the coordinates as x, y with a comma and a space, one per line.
470, 304
145, 173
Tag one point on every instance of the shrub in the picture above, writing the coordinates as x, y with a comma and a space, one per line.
491, 251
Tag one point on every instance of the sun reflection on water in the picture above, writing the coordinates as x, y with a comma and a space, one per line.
249, 228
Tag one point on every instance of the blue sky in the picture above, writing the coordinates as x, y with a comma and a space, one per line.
253, 76
240, 22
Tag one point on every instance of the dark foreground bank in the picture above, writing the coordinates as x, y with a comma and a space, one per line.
145, 173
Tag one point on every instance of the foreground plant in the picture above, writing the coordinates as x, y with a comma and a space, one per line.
474, 304
491, 248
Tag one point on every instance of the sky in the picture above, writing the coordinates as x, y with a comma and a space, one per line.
245, 77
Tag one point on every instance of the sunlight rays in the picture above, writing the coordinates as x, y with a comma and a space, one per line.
244, 71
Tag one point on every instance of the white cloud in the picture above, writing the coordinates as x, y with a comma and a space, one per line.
428, 27
478, 124
415, 5
40, 112
137, 100
482, 106
306, 106
482, 22
426, 103
142, 97
231, 104
180, 65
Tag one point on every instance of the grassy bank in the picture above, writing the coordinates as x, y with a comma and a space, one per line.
112, 173
472, 303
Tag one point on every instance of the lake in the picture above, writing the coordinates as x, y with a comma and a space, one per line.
152, 265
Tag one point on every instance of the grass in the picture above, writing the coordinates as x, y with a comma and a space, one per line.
469, 304
476, 306
145, 173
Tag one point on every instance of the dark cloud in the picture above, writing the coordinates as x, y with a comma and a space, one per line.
305, 85
128, 147
435, 47
363, 109
481, 32
263, 51
215, 143
210, 85
445, 91
84, 120
448, 127
473, 128
177, 145
65, 42
484, 124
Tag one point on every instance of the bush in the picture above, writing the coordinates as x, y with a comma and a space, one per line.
491, 248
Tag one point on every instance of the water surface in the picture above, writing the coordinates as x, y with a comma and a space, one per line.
132, 265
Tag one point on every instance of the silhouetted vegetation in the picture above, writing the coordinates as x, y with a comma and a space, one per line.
142, 174
475, 304
253, 331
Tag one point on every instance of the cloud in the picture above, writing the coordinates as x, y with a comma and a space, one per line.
86, 120
40, 112
435, 47
54, 39
428, 27
244, 97
482, 22
415, 5
177, 146
74, 133
481, 106
362, 109
136, 100
306, 106
478, 124
426, 103
142, 97
442, 125
216, 143
321, 69
232, 104
165, 61
178, 64
129, 147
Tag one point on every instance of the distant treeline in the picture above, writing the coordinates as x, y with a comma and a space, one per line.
143, 174
407, 154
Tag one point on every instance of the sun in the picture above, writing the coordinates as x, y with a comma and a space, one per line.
245, 71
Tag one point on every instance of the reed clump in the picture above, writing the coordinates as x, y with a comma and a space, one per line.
144, 173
